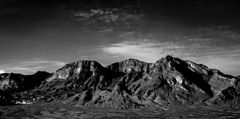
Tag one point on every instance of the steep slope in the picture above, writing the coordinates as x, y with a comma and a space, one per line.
133, 83
230, 95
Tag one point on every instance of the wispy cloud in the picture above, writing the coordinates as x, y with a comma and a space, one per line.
220, 32
143, 50
32, 66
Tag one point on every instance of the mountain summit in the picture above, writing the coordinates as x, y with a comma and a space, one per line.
133, 84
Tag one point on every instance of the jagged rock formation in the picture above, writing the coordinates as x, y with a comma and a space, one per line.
133, 83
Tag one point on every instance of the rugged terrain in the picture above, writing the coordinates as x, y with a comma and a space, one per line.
127, 84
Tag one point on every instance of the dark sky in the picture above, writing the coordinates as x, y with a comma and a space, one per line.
46, 34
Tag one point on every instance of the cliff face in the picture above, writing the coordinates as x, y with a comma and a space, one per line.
133, 83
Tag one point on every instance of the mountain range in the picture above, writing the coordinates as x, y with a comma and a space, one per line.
127, 84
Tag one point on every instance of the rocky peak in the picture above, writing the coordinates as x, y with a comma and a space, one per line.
88, 67
130, 65
170, 63
167, 63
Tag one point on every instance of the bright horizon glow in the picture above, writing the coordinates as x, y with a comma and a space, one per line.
2, 71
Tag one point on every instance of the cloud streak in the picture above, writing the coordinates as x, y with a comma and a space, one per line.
31, 66
143, 50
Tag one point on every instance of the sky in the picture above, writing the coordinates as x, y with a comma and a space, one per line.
45, 35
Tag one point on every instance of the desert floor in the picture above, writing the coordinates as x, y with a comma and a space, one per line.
53, 111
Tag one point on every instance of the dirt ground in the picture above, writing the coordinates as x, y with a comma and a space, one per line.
50, 111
